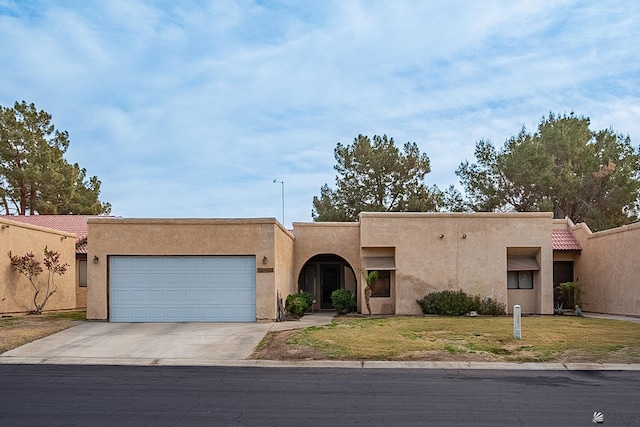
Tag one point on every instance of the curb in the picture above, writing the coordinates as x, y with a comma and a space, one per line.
332, 364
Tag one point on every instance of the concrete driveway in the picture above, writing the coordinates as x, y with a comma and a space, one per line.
153, 343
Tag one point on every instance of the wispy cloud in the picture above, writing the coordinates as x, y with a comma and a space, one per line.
193, 108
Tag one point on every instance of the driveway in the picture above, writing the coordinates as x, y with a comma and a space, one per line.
153, 343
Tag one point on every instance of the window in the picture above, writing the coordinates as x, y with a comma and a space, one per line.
520, 279
381, 286
82, 273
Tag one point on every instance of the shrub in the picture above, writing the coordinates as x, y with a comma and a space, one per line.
297, 304
343, 301
446, 303
570, 294
491, 307
458, 303
30, 267
308, 296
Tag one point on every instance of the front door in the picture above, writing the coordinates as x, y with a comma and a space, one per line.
329, 282
562, 273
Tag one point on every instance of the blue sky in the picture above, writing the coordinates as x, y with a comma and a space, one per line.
193, 108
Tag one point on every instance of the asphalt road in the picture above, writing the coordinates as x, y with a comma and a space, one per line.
80, 395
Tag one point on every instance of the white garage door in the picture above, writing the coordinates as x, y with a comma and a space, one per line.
182, 289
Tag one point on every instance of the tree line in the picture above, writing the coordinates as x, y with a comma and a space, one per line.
563, 167
35, 178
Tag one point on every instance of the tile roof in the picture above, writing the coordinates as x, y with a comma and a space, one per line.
76, 224
70, 223
81, 246
563, 240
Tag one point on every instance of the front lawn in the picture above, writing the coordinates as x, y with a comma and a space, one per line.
21, 329
544, 339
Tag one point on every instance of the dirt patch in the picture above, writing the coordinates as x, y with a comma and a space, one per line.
275, 347
20, 330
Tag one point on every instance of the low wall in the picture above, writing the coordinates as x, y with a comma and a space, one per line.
609, 270
16, 293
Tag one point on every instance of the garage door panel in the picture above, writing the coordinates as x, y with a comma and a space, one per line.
117, 296
138, 313
191, 279
228, 296
173, 296
195, 295
209, 278
173, 278
119, 277
210, 295
246, 295
227, 312
210, 312
137, 296
156, 296
156, 278
176, 288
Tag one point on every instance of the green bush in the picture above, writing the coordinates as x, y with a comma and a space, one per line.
569, 294
490, 307
458, 303
297, 304
343, 301
308, 296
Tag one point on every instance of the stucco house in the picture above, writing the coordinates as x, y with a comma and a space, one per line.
18, 238
76, 225
235, 269
224, 270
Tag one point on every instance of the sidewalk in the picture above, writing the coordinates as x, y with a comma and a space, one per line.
612, 316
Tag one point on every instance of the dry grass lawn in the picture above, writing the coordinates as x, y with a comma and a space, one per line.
22, 329
544, 339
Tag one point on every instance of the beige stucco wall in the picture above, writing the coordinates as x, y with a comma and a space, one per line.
609, 270
284, 267
257, 237
16, 293
335, 238
438, 251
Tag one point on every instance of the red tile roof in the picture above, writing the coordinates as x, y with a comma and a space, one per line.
563, 240
81, 246
70, 223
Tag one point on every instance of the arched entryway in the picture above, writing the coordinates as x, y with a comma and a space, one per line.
322, 275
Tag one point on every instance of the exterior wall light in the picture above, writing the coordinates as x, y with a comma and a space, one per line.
464, 236
264, 259
441, 236
95, 259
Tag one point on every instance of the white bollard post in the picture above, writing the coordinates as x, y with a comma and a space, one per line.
517, 324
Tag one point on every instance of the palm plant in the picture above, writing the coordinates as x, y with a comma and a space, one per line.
369, 278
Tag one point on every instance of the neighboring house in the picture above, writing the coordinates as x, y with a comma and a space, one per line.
608, 268
236, 269
76, 224
16, 293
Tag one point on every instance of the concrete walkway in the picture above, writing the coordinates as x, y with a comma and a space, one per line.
620, 317
223, 344
154, 343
